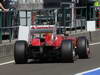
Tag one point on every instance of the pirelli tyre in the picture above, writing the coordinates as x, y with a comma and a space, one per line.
20, 52
67, 51
83, 49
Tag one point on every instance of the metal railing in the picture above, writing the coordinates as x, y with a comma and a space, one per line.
73, 24
6, 50
81, 16
95, 15
10, 21
8, 25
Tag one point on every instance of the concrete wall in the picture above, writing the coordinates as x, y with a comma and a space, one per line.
6, 50
91, 36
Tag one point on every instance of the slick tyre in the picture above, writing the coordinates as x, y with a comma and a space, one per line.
20, 52
83, 50
67, 50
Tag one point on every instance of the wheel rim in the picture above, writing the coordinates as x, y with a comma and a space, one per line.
87, 49
73, 53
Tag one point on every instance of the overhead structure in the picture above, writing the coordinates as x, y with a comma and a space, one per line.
30, 4
51, 3
56, 3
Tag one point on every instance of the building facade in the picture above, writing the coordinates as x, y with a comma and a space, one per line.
56, 3
29, 4
33, 4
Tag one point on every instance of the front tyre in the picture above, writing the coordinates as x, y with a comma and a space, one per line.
83, 49
20, 52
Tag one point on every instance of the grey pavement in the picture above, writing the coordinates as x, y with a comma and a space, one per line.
52, 68
6, 59
34, 68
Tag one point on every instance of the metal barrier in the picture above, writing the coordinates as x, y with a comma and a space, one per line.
10, 21
74, 24
8, 33
81, 16
8, 25
95, 15
6, 50
7, 44
64, 18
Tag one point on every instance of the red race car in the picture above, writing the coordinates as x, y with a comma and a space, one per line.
41, 42
46, 45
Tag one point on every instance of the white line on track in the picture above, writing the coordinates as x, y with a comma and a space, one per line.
88, 71
97, 43
5, 63
9, 62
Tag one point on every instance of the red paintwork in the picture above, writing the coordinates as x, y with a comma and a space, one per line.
42, 27
58, 41
36, 42
50, 42
71, 38
74, 39
48, 39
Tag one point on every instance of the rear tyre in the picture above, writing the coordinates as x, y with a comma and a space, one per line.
83, 50
67, 51
20, 52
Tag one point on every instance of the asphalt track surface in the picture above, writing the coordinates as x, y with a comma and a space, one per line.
54, 68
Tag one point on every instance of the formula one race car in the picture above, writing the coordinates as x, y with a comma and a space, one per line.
40, 42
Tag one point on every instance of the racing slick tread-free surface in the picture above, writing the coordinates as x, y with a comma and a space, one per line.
20, 49
82, 46
67, 50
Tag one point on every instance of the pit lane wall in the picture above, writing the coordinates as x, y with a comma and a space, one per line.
7, 49
91, 36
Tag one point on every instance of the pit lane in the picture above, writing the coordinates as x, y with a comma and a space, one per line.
54, 68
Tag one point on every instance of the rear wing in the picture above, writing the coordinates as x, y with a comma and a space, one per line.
43, 29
